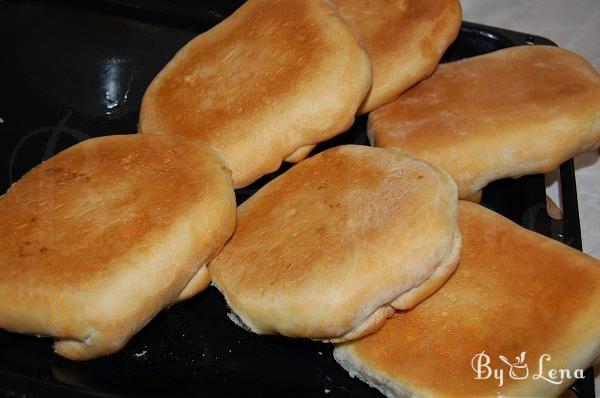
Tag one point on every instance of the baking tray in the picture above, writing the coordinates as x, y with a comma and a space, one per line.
73, 70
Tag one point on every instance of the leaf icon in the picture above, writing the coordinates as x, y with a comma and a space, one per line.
505, 360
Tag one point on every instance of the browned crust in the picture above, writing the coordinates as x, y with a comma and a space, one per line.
272, 78
405, 40
513, 291
104, 235
323, 250
521, 110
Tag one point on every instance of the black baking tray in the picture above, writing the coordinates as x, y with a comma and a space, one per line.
71, 70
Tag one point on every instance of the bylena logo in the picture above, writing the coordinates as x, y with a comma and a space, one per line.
519, 370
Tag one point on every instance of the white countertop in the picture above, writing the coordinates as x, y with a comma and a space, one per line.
574, 25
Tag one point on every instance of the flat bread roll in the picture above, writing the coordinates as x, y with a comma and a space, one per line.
514, 291
101, 237
273, 77
405, 40
328, 249
517, 111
